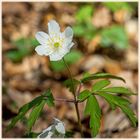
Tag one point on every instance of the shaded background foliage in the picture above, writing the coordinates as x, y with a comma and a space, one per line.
106, 39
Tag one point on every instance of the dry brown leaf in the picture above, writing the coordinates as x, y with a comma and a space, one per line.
13, 8
28, 64
112, 66
101, 17
121, 16
131, 58
131, 27
93, 62
93, 44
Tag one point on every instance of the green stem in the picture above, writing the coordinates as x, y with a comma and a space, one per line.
74, 94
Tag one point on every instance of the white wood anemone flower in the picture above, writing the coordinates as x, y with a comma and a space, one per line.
56, 130
55, 44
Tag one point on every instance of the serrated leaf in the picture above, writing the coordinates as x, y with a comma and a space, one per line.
100, 85
22, 111
114, 99
120, 90
49, 100
100, 75
86, 74
130, 114
68, 83
84, 95
93, 109
124, 104
35, 114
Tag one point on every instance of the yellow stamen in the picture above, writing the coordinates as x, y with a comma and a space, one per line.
56, 44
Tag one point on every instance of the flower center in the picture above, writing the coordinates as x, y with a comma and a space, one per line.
56, 44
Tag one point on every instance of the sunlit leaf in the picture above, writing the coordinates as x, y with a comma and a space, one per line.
124, 104
49, 98
68, 83
93, 109
99, 85
22, 111
120, 90
35, 114
90, 77
84, 95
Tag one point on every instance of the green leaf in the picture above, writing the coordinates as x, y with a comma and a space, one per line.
115, 6
24, 43
114, 35
35, 114
84, 95
130, 114
120, 90
79, 30
22, 112
93, 109
49, 100
14, 55
124, 104
114, 99
69, 134
31, 135
99, 85
68, 83
24, 47
98, 76
84, 13
69, 58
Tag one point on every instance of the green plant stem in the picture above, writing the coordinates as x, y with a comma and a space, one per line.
74, 94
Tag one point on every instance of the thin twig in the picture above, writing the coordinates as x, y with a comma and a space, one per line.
64, 100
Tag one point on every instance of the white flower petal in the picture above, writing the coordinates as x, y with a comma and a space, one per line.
68, 32
43, 50
46, 132
56, 56
68, 35
56, 120
42, 37
49, 134
68, 46
60, 128
48, 129
53, 28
